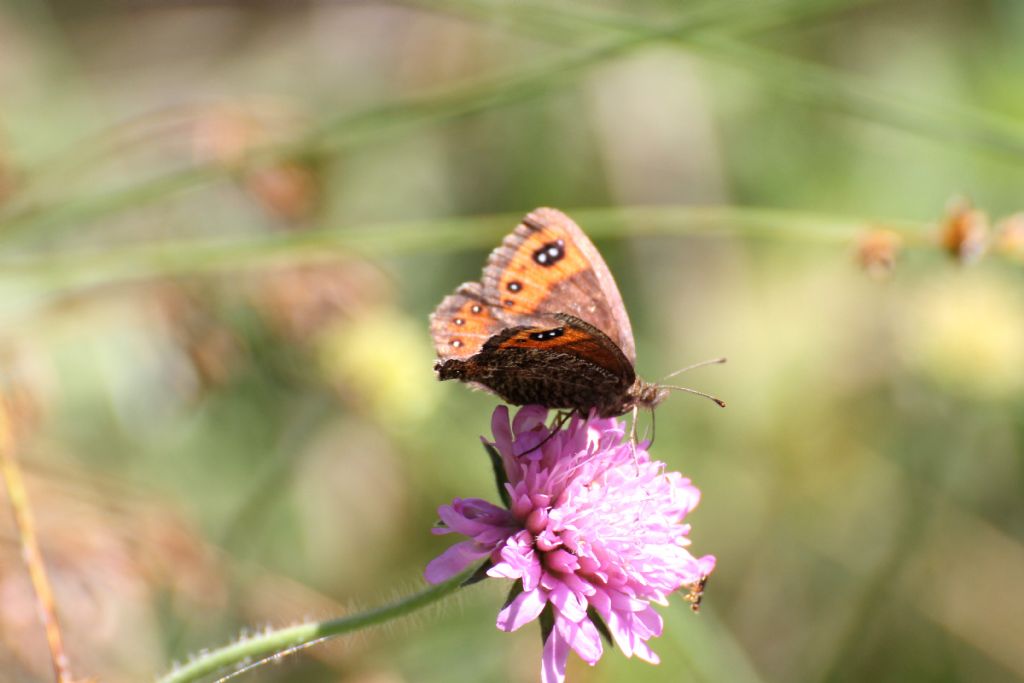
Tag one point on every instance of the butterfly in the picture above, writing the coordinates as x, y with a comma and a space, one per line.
545, 325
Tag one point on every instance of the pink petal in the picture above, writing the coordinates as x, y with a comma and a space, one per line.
571, 606
454, 560
526, 607
531, 577
582, 637
537, 520
626, 603
561, 561
521, 503
553, 659
651, 621
621, 634
540, 499
577, 585
644, 652
504, 570
693, 570
600, 602
528, 418
528, 446
690, 496
518, 560
472, 517
707, 564
547, 540
501, 430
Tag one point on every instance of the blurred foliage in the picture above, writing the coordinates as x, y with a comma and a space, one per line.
223, 224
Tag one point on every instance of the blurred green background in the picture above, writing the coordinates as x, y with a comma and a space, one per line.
223, 225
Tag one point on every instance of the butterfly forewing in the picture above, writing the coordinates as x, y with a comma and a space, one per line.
546, 266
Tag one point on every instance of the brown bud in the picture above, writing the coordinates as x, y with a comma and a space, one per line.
877, 251
964, 231
225, 134
289, 190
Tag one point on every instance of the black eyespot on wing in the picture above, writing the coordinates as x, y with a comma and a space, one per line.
550, 253
548, 335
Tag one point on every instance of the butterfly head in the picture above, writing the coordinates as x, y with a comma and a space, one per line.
648, 394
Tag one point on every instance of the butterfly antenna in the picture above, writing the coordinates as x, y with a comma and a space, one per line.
713, 361
715, 399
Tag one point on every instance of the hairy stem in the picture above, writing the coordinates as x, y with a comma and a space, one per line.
277, 643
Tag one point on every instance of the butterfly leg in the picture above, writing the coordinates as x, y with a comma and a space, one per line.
560, 417
632, 436
654, 423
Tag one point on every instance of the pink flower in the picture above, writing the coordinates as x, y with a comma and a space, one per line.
593, 532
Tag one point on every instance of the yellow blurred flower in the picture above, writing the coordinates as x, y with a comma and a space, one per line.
1010, 239
384, 359
968, 335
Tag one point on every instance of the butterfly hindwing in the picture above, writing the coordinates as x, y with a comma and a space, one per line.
569, 365
571, 336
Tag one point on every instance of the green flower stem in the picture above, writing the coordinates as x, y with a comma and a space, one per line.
387, 120
814, 84
282, 641
57, 273
352, 129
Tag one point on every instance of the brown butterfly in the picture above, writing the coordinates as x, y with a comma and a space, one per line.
546, 325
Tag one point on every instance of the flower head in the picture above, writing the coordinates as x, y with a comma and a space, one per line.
593, 532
